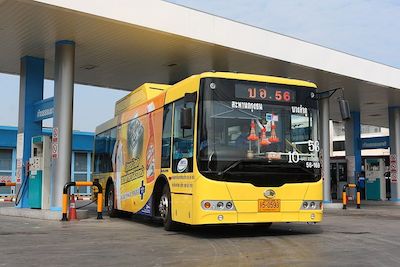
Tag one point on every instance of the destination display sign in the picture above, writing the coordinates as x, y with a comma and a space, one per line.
264, 92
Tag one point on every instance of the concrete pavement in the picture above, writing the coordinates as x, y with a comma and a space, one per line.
344, 238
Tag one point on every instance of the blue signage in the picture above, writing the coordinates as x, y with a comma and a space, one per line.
375, 142
44, 109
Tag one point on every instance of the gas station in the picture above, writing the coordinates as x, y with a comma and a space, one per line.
125, 44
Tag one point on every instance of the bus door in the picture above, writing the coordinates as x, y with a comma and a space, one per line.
182, 177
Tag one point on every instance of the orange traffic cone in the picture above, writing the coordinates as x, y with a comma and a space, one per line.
252, 136
264, 140
273, 138
72, 209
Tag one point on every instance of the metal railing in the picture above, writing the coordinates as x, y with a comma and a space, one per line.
8, 184
99, 198
344, 195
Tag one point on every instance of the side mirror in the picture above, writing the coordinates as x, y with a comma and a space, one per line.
344, 109
186, 118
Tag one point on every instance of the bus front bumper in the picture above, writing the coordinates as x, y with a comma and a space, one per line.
260, 217
290, 212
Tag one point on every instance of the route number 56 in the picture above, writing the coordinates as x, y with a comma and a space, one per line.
313, 146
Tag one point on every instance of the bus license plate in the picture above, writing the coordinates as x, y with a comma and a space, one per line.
269, 205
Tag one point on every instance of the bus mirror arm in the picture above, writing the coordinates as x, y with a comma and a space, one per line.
343, 103
190, 97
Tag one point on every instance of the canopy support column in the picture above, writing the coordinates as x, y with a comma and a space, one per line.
325, 136
30, 91
63, 118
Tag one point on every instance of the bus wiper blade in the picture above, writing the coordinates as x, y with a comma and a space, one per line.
305, 169
264, 164
236, 163
230, 166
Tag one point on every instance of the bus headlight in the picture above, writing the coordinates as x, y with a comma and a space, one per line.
217, 205
229, 205
311, 205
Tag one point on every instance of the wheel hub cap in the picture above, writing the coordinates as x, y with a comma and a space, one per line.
163, 206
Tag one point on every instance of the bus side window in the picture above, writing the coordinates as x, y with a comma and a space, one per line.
182, 155
166, 137
98, 151
112, 135
104, 145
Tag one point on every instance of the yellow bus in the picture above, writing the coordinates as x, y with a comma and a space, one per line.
215, 148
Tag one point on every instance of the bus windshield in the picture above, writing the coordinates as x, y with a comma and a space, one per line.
260, 133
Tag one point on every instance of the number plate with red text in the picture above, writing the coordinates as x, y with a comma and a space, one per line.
269, 205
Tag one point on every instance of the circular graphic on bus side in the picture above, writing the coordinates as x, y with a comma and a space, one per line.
182, 165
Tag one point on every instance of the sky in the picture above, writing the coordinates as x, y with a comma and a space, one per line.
365, 28
87, 113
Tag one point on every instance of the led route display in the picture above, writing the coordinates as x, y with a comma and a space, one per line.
264, 92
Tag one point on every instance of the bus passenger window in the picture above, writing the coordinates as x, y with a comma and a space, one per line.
104, 145
166, 137
182, 157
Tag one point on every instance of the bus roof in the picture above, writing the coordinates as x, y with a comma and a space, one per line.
138, 96
259, 78
148, 91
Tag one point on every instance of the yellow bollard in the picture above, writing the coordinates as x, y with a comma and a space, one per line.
64, 207
344, 196
99, 205
358, 199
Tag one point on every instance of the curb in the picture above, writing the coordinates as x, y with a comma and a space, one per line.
39, 214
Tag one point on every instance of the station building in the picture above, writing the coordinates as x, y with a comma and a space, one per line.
375, 143
374, 147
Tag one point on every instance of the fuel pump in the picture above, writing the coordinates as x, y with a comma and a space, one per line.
375, 186
39, 172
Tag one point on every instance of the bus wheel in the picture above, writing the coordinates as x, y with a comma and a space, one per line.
164, 208
110, 201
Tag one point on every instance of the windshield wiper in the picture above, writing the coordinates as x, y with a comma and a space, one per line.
281, 166
240, 161
309, 171
230, 166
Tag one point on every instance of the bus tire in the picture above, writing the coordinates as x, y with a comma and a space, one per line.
110, 201
164, 208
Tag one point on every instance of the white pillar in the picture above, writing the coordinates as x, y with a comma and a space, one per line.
63, 117
324, 126
394, 132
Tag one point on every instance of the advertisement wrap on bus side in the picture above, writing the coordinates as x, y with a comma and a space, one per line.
135, 155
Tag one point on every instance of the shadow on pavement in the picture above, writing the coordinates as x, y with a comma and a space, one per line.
249, 230
227, 231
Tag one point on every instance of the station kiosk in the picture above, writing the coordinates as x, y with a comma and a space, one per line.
375, 184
